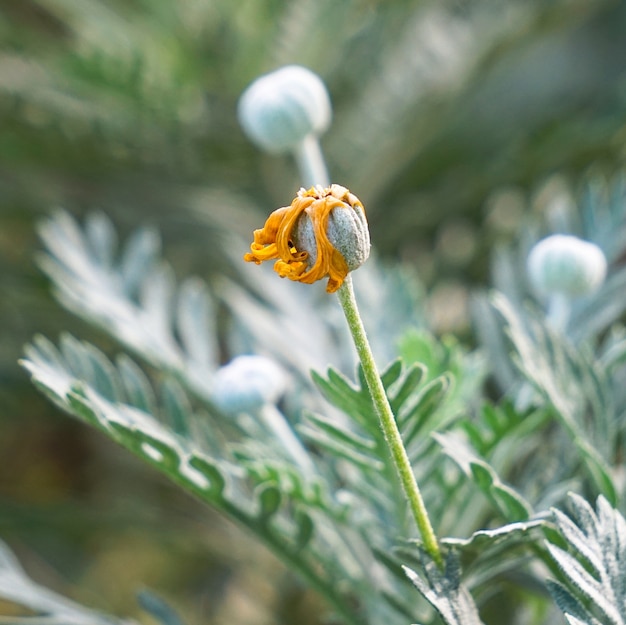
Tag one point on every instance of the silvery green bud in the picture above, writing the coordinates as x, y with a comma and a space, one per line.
566, 265
278, 110
246, 383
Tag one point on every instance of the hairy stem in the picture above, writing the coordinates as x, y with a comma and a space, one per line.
388, 421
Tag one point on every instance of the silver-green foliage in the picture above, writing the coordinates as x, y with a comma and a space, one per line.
331, 508
251, 485
445, 592
575, 371
592, 564
320, 515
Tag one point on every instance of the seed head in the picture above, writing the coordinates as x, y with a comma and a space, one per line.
322, 234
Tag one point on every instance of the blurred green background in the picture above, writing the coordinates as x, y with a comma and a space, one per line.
450, 121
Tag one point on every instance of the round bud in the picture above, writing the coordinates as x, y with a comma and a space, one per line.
246, 383
278, 110
567, 265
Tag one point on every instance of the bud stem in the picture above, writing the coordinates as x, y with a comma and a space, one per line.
311, 164
388, 421
559, 310
278, 425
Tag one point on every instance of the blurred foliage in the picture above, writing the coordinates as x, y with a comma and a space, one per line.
449, 116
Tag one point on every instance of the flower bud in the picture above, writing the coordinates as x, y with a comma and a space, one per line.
566, 265
278, 110
322, 234
246, 383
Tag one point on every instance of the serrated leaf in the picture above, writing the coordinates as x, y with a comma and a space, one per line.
445, 592
572, 608
64, 239
579, 541
269, 498
156, 297
368, 462
391, 373
572, 385
75, 357
595, 572
342, 434
341, 393
134, 299
90, 364
592, 589
136, 385
510, 503
105, 378
102, 238
408, 384
177, 409
139, 256
215, 478
420, 407
195, 324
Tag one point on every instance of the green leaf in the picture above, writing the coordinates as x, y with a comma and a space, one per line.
269, 498
341, 433
406, 386
420, 408
342, 394
342, 449
306, 529
209, 469
391, 373
509, 502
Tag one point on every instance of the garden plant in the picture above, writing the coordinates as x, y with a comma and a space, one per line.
405, 475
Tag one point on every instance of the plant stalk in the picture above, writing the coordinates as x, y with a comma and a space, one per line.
311, 163
388, 421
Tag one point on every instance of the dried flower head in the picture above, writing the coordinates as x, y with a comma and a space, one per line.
322, 234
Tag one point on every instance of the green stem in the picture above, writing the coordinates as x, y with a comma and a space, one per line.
388, 421
311, 163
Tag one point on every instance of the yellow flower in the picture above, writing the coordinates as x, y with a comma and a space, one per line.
322, 234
